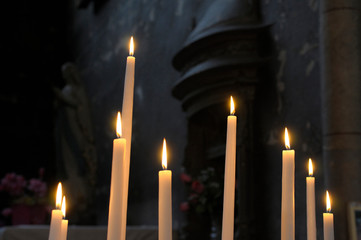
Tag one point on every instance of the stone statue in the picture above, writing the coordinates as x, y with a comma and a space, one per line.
75, 147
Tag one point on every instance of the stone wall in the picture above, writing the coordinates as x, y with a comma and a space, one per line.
288, 94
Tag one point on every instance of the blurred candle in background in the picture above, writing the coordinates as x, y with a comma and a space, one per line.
310, 201
165, 199
229, 176
64, 222
116, 204
56, 216
288, 192
328, 232
127, 112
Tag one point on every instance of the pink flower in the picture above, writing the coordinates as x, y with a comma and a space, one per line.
184, 206
197, 186
185, 178
13, 184
6, 212
38, 187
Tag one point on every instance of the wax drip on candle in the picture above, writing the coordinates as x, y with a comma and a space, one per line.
59, 194
310, 167
131, 47
119, 126
164, 155
287, 139
328, 202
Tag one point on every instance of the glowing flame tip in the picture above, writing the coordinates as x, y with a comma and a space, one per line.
310, 167
131, 47
119, 125
287, 139
328, 202
232, 110
59, 194
63, 206
164, 155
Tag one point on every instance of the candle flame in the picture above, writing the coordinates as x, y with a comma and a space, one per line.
59, 194
131, 47
232, 106
310, 167
119, 125
328, 202
287, 139
164, 155
63, 206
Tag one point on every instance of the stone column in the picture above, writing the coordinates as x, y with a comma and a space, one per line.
341, 105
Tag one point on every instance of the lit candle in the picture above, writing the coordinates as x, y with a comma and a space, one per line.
229, 176
64, 222
127, 111
116, 187
328, 233
288, 192
56, 216
165, 199
310, 200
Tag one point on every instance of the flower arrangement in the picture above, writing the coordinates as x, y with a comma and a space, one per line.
205, 192
26, 200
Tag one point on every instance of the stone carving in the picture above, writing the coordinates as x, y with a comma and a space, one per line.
75, 147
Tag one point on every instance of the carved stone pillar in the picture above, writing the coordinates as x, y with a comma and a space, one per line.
222, 57
340, 37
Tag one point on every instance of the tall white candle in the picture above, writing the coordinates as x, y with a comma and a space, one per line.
165, 199
288, 192
64, 222
328, 232
56, 216
116, 186
229, 176
127, 111
310, 201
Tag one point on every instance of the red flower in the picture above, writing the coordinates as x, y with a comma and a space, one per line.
185, 178
197, 187
184, 206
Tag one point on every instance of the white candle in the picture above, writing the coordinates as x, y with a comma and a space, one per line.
310, 200
288, 192
229, 177
56, 216
165, 199
127, 111
64, 222
116, 186
328, 232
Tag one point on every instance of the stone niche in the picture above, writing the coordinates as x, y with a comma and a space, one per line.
222, 56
